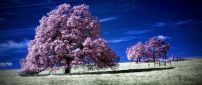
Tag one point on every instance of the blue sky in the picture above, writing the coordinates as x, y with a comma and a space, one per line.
123, 23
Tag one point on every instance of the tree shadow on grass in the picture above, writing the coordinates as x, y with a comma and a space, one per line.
121, 71
112, 72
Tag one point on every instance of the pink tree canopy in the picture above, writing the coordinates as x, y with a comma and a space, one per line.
154, 48
65, 37
135, 51
157, 48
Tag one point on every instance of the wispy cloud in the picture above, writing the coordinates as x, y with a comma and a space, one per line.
10, 48
163, 37
129, 32
159, 24
5, 64
32, 4
183, 22
173, 23
137, 32
13, 45
108, 19
126, 35
123, 39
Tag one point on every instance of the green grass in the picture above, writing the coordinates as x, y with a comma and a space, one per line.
184, 73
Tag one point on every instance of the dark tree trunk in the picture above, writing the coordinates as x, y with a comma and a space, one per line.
139, 59
154, 56
50, 71
67, 70
68, 60
154, 60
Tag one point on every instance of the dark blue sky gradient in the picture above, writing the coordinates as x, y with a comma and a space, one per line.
123, 23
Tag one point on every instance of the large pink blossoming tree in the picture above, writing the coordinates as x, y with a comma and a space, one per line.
67, 36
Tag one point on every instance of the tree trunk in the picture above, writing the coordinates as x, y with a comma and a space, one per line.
154, 56
139, 59
50, 71
67, 70
68, 60
154, 60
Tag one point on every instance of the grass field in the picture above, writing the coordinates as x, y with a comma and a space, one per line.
180, 73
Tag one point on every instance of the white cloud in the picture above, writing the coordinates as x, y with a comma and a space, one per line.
137, 32
108, 19
4, 64
127, 35
183, 22
162, 37
174, 23
117, 40
160, 24
123, 39
14, 45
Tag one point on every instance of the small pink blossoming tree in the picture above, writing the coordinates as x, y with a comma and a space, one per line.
155, 48
136, 52
67, 36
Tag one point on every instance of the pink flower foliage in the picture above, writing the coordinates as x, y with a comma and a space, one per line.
157, 47
154, 48
67, 36
98, 51
135, 51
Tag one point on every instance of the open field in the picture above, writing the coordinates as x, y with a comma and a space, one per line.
180, 73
